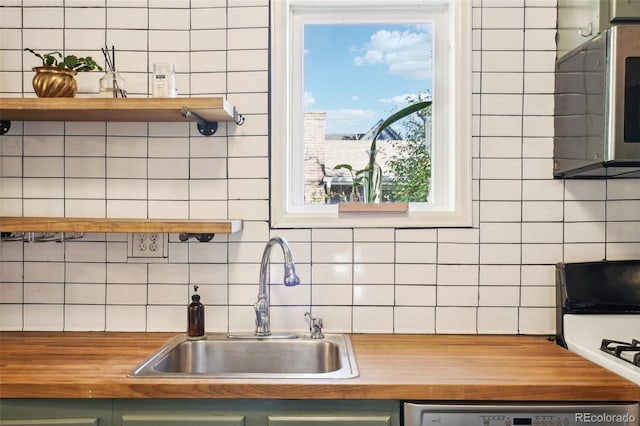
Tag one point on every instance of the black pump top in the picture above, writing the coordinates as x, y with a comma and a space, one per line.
196, 297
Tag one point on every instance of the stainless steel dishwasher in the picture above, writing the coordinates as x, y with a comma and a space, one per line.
416, 414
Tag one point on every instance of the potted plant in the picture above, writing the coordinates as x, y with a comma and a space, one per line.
55, 78
371, 175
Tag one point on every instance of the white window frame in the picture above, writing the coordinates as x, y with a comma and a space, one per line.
451, 169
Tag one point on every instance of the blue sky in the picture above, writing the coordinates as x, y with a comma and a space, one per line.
359, 73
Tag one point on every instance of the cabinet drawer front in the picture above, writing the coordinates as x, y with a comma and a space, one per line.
330, 421
184, 419
51, 422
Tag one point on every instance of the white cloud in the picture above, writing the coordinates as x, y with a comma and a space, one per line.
404, 53
348, 116
309, 99
407, 97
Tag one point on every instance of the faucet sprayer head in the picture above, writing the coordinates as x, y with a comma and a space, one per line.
290, 276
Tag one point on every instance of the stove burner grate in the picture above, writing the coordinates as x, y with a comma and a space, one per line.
617, 348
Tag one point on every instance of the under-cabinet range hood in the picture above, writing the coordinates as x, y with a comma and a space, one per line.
597, 107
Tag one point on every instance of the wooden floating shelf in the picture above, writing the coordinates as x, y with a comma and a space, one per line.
120, 109
206, 111
56, 224
373, 207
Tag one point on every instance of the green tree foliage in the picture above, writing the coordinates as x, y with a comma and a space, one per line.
410, 165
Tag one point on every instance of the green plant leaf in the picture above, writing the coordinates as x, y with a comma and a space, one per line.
344, 166
55, 59
408, 110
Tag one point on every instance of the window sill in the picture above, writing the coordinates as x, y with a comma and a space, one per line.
373, 207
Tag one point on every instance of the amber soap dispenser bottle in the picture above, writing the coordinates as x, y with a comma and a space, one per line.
195, 316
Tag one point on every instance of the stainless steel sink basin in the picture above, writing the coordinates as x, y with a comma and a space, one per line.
220, 356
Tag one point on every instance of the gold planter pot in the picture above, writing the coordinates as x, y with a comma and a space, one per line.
54, 82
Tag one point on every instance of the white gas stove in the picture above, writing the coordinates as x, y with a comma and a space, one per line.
599, 313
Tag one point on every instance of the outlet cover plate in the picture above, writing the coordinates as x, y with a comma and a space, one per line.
147, 247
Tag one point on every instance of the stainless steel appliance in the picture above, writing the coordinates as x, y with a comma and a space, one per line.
514, 415
597, 107
598, 313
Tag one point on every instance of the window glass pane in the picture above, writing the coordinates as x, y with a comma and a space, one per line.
355, 76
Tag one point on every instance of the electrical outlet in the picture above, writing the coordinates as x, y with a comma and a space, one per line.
148, 246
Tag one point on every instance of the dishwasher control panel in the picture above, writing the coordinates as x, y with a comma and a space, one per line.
416, 414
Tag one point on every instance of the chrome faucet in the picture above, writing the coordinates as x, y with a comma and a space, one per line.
263, 327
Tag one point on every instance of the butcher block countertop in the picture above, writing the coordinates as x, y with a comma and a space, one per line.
398, 367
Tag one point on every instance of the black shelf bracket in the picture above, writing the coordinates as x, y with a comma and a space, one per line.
5, 125
203, 238
206, 128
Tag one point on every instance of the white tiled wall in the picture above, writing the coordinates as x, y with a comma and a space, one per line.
496, 277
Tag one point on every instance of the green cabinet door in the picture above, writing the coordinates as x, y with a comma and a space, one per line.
55, 412
357, 420
182, 419
52, 422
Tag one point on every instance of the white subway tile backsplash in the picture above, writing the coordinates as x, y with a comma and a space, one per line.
542, 232
452, 320
457, 275
540, 39
43, 317
502, 61
83, 294
501, 82
537, 321
248, 17
542, 190
458, 253
12, 293
541, 17
539, 61
373, 319
503, 17
127, 17
499, 275
167, 41
84, 167
585, 232
538, 296
502, 39
126, 39
42, 17
382, 273
85, 17
373, 252
541, 253
497, 320
414, 319
539, 82
167, 294
494, 277
208, 18
457, 296
169, 19
498, 254
542, 211
39, 293
11, 17
125, 208
166, 318
247, 38
621, 232
125, 318
623, 210
208, 40
416, 252
623, 251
